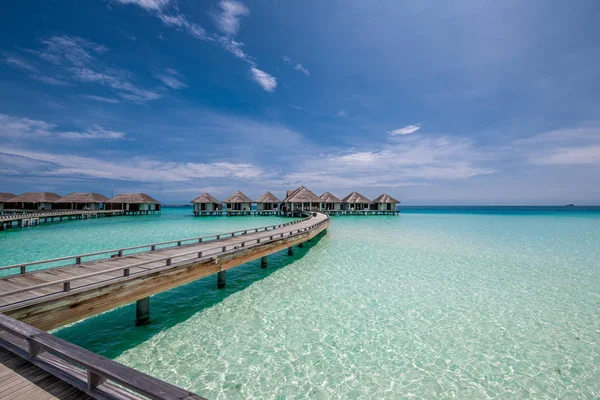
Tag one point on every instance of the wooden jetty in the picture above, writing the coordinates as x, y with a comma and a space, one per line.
22, 220
33, 300
96, 282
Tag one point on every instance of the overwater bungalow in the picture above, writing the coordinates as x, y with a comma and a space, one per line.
384, 203
5, 197
355, 202
238, 204
134, 203
81, 201
330, 202
205, 204
32, 201
301, 199
267, 204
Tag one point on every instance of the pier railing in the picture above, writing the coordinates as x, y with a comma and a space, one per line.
22, 215
77, 259
96, 375
168, 260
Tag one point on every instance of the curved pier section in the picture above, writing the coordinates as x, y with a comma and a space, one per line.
58, 295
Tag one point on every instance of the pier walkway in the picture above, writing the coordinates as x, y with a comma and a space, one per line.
71, 288
35, 218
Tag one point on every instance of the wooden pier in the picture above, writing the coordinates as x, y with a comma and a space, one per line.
96, 282
23, 220
220, 213
45, 295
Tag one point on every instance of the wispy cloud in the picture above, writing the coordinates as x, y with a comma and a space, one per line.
341, 113
50, 80
70, 59
100, 98
18, 62
138, 169
228, 18
171, 78
407, 130
575, 146
17, 128
95, 132
268, 82
295, 107
296, 66
151, 5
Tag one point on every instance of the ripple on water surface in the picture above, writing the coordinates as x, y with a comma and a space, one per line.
421, 305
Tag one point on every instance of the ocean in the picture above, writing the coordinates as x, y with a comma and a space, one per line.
438, 302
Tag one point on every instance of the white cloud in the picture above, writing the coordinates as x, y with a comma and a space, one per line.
24, 128
407, 130
171, 78
228, 18
300, 68
180, 21
151, 5
19, 63
100, 98
137, 169
50, 80
95, 132
77, 60
341, 113
295, 107
16, 127
297, 67
576, 146
402, 162
268, 82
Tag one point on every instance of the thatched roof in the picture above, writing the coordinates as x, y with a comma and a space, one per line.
384, 198
83, 198
268, 197
36, 197
205, 198
133, 198
355, 197
302, 195
238, 197
5, 197
329, 198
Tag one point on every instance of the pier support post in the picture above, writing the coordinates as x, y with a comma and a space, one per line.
142, 311
290, 251
263, 262
301, 244
221, 279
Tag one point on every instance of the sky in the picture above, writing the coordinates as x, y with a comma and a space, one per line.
467, 102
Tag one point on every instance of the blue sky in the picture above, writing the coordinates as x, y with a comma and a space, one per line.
466, 102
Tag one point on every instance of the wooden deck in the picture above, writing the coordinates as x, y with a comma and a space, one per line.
22, 380
93, 283
21, 220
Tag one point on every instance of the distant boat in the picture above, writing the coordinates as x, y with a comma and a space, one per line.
570, 205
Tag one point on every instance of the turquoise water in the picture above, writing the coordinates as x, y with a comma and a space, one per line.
423, 305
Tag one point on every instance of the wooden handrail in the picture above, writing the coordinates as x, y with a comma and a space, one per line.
168, 259
221, 236
99, 369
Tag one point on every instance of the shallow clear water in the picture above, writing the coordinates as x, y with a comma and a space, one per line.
424, 305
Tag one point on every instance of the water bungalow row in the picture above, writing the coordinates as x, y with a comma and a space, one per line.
129, 203
295, 201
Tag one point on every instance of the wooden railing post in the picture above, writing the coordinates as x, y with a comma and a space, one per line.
94, 380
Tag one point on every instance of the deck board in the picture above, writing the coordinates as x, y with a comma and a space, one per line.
21, 380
